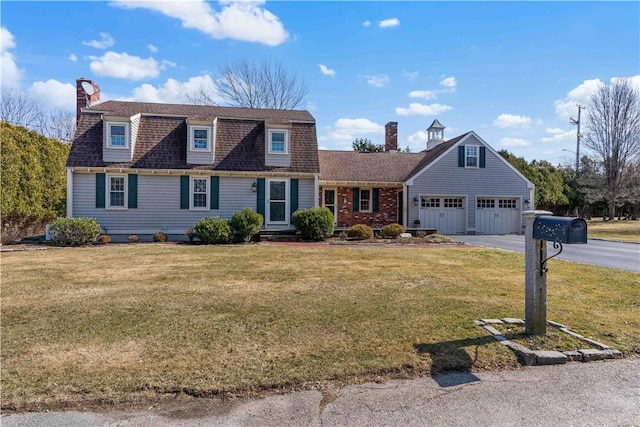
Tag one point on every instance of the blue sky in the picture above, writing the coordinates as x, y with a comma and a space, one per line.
511, 71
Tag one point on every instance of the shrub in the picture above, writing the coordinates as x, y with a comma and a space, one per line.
392, 231
104, 239
360, 232
190, 233
313, 223
134, 238
74, 231
213, 230
160, 237
247, 223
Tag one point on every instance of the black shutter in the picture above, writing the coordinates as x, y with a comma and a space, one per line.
133, 191
461, 156
214, 192
483, 156
260, 208
184, 192
294, 195
356, 199
376, 199
100, 190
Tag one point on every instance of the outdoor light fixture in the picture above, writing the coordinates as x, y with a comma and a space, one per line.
527, 203
415, 201
344, 200
254, 187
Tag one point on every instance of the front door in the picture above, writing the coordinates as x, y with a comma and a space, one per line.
277, 202
329, 202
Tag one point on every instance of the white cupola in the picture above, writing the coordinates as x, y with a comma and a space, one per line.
435, 134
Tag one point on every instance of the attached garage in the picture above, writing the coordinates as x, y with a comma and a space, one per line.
447, 214
498, 215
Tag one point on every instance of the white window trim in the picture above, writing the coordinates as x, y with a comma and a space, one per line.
477, 156
286, 141
192, 141
286, 200
108, 192
127, 133
207, 192
370, 200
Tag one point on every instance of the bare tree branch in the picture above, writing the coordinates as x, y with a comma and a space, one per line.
613, 133
248, 84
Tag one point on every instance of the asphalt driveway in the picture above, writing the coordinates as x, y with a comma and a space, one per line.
602, 253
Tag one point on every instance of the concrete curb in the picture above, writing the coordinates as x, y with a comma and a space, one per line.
530, 357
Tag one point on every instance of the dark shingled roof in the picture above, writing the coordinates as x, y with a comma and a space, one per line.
162, 137
352, 166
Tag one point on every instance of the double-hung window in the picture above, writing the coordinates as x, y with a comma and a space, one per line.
365, 200
199, 193
471, 156
117, 191
278, 141
200, 138
117, 135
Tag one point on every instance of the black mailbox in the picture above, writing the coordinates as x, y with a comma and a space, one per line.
560, 229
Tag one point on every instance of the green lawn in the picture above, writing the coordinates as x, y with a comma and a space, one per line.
124, 322
625, 231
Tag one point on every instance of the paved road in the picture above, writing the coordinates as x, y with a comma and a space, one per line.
603, 253
575, 394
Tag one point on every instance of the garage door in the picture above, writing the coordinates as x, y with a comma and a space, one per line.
444, 213
498, 215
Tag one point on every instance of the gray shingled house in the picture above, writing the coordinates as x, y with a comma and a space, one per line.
456, 186
143, 168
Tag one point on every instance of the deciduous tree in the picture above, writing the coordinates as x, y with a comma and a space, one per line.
364, 145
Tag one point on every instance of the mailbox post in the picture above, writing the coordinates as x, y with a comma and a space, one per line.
540, 228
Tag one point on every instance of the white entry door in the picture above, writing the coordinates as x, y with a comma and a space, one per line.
277, 201
329, 202
498, 215
444, 213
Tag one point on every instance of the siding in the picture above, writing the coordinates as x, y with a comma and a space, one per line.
281, 160
159, 203
445, 177
199, 157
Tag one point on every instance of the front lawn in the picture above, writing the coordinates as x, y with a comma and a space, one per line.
624, 231
128, 322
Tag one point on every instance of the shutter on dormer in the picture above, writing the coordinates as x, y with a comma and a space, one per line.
376, 199
294, 195
184, 192
133, 191
483, 156
100, 190
356, 199
215, 193
460, 156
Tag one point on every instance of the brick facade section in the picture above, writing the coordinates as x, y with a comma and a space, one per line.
387, 212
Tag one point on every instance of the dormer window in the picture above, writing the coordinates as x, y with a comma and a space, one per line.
118, 135
200, 138
472, 156
278, 141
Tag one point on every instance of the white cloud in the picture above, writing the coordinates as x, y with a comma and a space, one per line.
514, 142
54, 94
380, 80
563, 136
422, 109
419, 138
326, 70
449, 82
152, 48
366, 24
346, 130
124, 66
11, 74
554, 130
634, 80
391, 22
424, 94
410, 75
238, 20
173, 91
73, 57
511, 120
105, 41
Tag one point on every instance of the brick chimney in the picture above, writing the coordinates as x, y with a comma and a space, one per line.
391, 137
87, 93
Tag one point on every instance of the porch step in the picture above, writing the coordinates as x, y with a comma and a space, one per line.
278, 236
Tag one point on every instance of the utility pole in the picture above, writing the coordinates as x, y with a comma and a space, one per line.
577, 122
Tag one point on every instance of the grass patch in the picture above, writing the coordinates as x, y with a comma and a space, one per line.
555, 339
625, 231
114, 322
